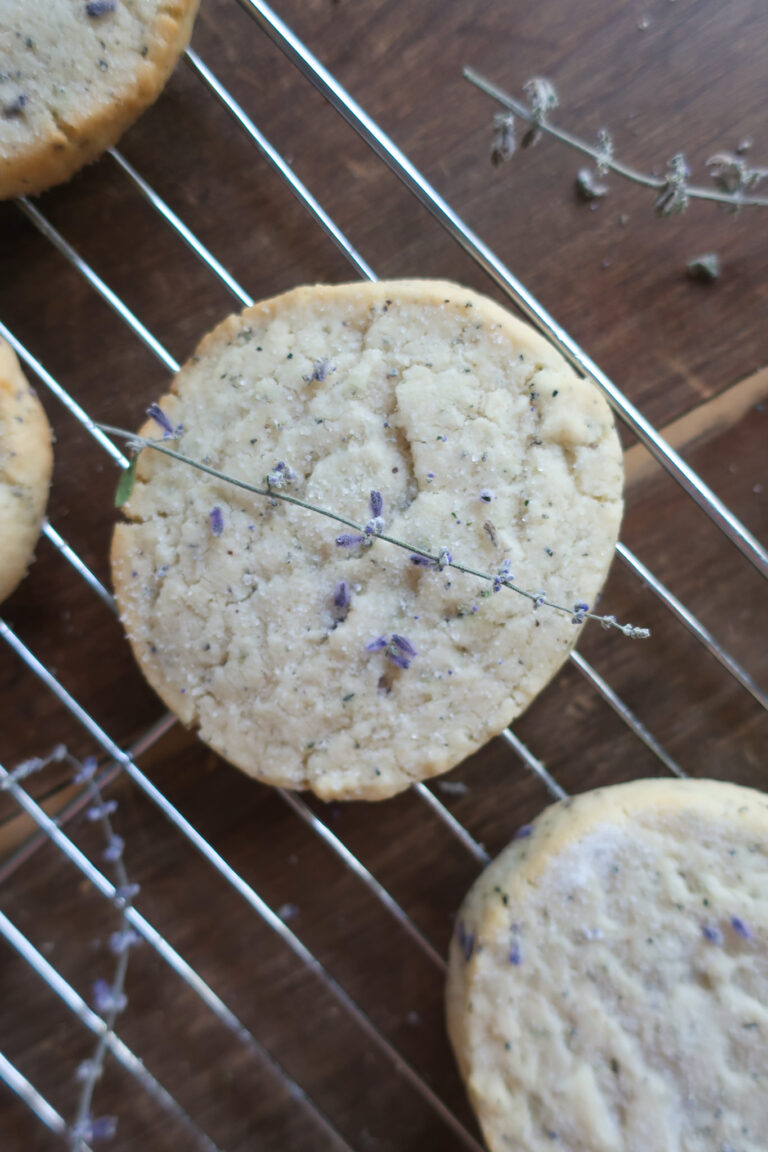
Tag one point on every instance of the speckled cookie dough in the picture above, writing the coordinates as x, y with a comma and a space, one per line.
608, 978
26, 460
74, 74
349, 669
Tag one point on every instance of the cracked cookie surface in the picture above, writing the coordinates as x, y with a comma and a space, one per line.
608, 976
26, 460
74, 75
480, 439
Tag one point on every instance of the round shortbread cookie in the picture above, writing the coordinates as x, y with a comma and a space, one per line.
74, 75
608, 978
26, 460
480, 439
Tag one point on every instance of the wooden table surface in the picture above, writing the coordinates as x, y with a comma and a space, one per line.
663, 77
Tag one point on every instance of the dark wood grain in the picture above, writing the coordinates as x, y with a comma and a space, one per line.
615, 277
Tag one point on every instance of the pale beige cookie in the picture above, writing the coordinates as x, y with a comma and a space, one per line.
74, 75
480, 440
608, 979
26, 460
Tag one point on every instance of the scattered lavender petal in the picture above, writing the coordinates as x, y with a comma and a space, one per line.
523, 832
320, 370
349, 539
713, 935
376, 645
398, 658
404, 645
156, 413
515, 955
466, 941
217, 521
95, 8
377, 503
341, 597
740, 928
422, 561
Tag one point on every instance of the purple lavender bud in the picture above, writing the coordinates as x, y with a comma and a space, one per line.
86, 771
422, 561
159, 417
96, 8
105, 999
375, 526
349, 539
581, 606
523, 832
444, 558
401, 652
341, 597
103, 1128
377, 503
713, 935
121, 941
127, 892
515, 955
539, 599
376, 645
740, 928
217, 521
281, 473
99, 811
114, 849
102, 995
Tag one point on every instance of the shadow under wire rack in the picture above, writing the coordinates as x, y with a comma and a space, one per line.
262, 1095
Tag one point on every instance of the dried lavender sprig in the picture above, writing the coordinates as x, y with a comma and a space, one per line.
113, 995
442, 559
604, 157
35, 764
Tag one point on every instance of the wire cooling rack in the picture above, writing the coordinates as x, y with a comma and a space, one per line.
256, 1064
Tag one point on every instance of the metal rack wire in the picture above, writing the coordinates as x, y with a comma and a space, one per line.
116, 760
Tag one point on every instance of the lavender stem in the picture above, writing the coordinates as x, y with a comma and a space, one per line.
438, 560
